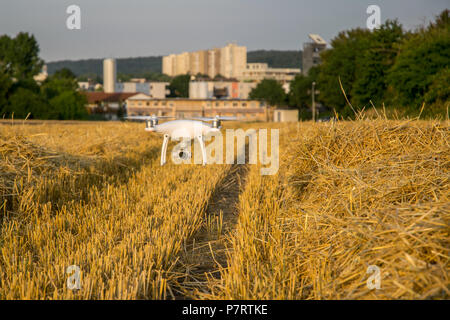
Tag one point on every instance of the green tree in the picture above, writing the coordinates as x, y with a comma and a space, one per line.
442, 20
300, 89
56, 98
64, 73
270, 91
370, 78
437, 98
94, 77
342, 62
5, 86
60, 90
6, 49
19, 61
61, 81
156, 76
422, 55
18, 105
121, 77
68, 105
439, 90
179, 86
23, 102
20, 55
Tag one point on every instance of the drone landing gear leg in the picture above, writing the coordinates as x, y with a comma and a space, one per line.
202, 146
164, 149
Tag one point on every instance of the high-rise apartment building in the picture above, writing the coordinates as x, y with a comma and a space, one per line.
233, 60
168, 66
229, 61
198, 62
213, 64
182, 65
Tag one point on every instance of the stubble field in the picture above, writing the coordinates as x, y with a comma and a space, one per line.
348, 195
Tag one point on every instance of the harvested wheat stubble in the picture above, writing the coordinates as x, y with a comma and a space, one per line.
349, 195
120, 217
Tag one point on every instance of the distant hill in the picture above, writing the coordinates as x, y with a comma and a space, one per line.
277, 58
143, 65
139, 65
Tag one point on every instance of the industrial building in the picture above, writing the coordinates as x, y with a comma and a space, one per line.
245, 110
260, 71
285, 115
106, 105
311, 52
154, 89
110, 85
219, 88
89, 85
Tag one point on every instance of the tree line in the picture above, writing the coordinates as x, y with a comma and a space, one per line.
387, 67
21, 96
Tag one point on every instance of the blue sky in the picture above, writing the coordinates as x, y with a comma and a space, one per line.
131, 28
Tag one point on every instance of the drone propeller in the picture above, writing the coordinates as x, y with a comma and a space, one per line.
146, 118
219, 118
150, 121
216, 120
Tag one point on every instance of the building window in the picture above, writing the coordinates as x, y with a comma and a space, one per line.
244, 104
164, 103
155, 104
235, 104
147, 103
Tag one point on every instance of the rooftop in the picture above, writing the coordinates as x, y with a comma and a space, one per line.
98, 96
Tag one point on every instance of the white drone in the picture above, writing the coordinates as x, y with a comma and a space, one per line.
182, 129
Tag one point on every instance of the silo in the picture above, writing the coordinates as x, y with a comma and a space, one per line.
193, 90
210, 85
109, 75
203, 90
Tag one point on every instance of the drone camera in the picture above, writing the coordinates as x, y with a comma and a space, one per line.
183, 154
150, 124
216, 124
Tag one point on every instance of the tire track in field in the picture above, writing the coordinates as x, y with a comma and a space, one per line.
207, 251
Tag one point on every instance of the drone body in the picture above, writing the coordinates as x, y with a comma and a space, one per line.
184, 130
